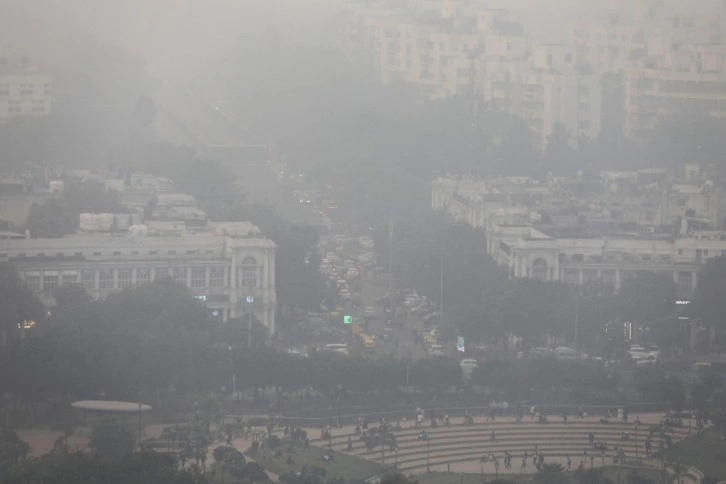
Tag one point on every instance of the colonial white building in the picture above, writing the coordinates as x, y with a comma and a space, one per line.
528, 252
510, 212
231, 266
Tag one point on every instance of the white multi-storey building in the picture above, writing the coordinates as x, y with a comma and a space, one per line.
231, 266
23, 91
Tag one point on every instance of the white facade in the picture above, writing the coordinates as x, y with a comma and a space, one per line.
23, 92
503, 208
231, 267
527, 252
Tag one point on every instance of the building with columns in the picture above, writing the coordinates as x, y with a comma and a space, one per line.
599, 237
229, 265
529, 252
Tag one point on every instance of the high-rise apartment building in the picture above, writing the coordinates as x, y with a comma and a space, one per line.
675, 78
23, 90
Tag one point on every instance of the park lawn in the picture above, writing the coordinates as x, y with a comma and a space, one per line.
344, 466
707, 454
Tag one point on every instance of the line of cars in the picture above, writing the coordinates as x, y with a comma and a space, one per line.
642, 354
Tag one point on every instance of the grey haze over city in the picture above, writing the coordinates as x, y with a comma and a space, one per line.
362, 241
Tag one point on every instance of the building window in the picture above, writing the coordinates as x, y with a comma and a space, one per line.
143, 276
50, 280
216, 277
199, 276
249, 272
88, 278
105, 279
70, 277
180, 275
125, 278
32, 280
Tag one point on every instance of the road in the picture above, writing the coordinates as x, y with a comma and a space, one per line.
187, 115
371, 290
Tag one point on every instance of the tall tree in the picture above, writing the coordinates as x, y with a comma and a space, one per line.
708, 298
111, 440
17, 304
647, 298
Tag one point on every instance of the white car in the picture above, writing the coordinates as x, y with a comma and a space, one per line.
650, 353
565, 353
337, 348
468, 366
436, 350
539, 352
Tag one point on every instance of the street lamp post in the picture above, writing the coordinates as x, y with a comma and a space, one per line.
340, 403
428, 467
637, 424
330, 427
140, 431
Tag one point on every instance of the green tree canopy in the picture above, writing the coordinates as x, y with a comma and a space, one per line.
708, 299
17, 303
110, 439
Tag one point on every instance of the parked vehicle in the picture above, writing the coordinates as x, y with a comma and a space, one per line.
430, 340
565, 353
436, 350
468, 366
337, 348
539, 352
369, 343
645, 352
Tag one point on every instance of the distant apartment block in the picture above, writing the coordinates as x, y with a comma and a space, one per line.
670, 58
675, 78
464, 49
23, 90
